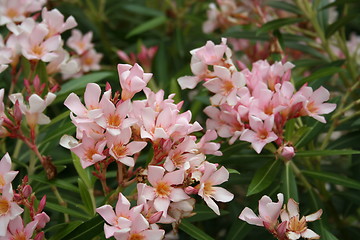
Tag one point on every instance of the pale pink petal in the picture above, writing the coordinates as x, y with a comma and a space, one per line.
222, 195
248, 135
293, 235
110, 230
212, 204
74, 104
134, 147
189, 82
178, 194
326, 108
128, 161
122, 205
5, 163
156, 234
258, 145
155, 173
220, 176
52, 43
107, 213
320, 95
292, 208
139, 224
249, 216
174, 178
314, 216
92, 95
310, 234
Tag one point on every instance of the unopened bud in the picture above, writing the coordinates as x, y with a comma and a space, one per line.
17, 112
155, 217
42, 219
191, 190
107, 86
288, 153
36, 83
27, 190
39, 236
42, 203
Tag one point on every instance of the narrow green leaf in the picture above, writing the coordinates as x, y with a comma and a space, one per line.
67, 210
203, 212
342, 21
141, 9
89, 229
233, 171
323, 72
340, 2
285, 6
238, 230
63, 229
57, 119
326, 153
310, 134
278, 23
84, 174
193, 231
333, 178
251, 35
87, 197
148, 25
82, 81
289, 187
56, 182
326, 234
264, 176
42, 73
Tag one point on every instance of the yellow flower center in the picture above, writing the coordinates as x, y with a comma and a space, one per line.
19, 236
119, 150
11, 13
89, 154
297, 225
311, 107
2, 181
136, 236
208, 189
37, 50
227, 87
4, 206
88, 61
114, 120
163, 189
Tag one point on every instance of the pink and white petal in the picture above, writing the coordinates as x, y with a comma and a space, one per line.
29, 229
4, 222
73, 103
123, 223
135, 211
319, 118
284, 216
248, 135
320, 95
139, 224
107, 213
292, 208
5, 163
315, 216
122, 205
249, 216
174, 178
160, 133
8, 177
92, 95
52, 43
156, 234
222, 195
213, 85
256, 123
155, 173
110, 230
36, 104
258, 145
326, 108
310, 234
48, 57
178, 194
128, 161
144, 193
212, 204
43, 119
222, 72
135, 147
220, 176
293, 235
189, 82
16, 225
162, 204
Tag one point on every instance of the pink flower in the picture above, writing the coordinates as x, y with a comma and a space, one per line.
41, 218
8, 208
90, 61
287, 152
16, 229
121, 149
163, 190
140, 230
296, 226
122, 219
80, 43
260, 134
54, 21
206, 146
269, 213
16, 10
207, 191
314, 104
132, 80
211, 54
6, 176
89, 151
35, 47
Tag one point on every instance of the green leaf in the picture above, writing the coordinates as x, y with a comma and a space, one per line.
56, 182
63, 229
203, 212
148, 25
233, 171
193, 231
326, 153
238, 230
81, 82
323, 72
278, 23
87, 197
264, 176
88, 230
333, 178
310, 134
84, 174
141, 9
289, 187
285, 6
62, 209
251, 35
326, 234
340, 2
42, 73
342, 21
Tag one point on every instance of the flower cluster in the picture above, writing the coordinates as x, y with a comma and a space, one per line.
291, 226
252, 105
12, 224
115, 128
42, 41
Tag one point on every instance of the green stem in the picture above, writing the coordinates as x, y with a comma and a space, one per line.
61, 202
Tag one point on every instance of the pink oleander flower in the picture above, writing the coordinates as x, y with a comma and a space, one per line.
132, 80
42, 219
17, 10
296, 226
269, 213
89, 151
225, 86
139, 230
64, 64
314, 104
17, 231
260, 133
208, 191
34, 112
54, 20
205, 145
211, 54
181, 155
6, 175
287, 152
80, 43
90, 61
35, 46
9, 210
121, 149
163, 190
5, 55
123, 219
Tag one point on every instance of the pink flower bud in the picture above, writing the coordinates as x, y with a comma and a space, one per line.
107, 86
25, 180
27, 190
36, 83
42, 219
155, 217
191, 190
42, 203
17, 112
288, 153
39, 236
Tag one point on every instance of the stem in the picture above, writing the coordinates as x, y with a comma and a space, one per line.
61, 201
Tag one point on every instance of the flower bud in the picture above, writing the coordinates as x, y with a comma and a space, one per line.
42, 219
27, 190
42, 204
155, 217
288, 153
39, 236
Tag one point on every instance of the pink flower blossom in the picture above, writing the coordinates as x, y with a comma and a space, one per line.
6, 175
123, 219
16, 10
42, 219
90, 61
80, 43
54, 21
296, 226
16, 230
208, 191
